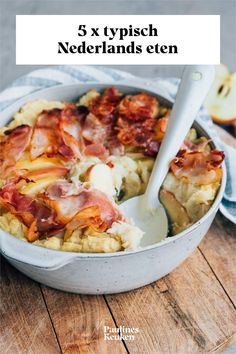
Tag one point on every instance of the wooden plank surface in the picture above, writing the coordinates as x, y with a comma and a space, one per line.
219, 249
189, 311
25, 325
79, 322
186, 312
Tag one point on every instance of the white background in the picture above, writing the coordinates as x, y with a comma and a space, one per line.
197, 39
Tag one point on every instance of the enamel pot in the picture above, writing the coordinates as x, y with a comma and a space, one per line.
88, 273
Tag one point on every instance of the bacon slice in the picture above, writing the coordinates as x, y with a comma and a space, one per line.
137, 124
138, 107
140, 134
44, 141
100, 137
198, 167
113, 95
36, 175
12, 146
88, 217
160, 128
58, 132
99, 125
68, 200
35, 214
93, 129
71, 131
97, 150
104, 106
33, 233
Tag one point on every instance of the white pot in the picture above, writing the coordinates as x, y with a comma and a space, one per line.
88, 273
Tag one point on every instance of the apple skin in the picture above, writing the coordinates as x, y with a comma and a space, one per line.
221, 99
177, 214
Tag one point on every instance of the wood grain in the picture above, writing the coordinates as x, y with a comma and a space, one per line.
79, 323
189, 311
219, 249
25, 325
185, 312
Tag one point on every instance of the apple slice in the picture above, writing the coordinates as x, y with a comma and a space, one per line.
221, 99
39, 163
176, 212
33, 188
36, 175
100, 177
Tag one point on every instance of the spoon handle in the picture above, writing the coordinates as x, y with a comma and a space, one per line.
194, 86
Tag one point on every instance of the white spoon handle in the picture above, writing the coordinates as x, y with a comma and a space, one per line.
195, 84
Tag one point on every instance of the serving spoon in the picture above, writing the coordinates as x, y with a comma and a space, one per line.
146, 210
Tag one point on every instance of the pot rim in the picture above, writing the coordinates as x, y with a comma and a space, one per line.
133, 84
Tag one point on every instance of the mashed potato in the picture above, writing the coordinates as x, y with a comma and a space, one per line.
119, 177
121, 236
128, 235
91, 242
85, 99
12, 225
30, 111
196, 199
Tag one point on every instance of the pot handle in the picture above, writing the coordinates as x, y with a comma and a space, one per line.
36, 256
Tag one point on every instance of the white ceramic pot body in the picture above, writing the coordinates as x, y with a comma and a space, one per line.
86, 273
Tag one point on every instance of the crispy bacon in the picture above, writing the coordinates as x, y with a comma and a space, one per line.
113, 94
104, 106
198, 167
33, 234
68, 200
160, 128
137, 124
139, 134
35, 214
138, 107
12, 146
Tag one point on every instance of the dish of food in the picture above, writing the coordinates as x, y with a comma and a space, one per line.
66, 166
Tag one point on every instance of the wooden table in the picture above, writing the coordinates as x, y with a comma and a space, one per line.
192, 310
